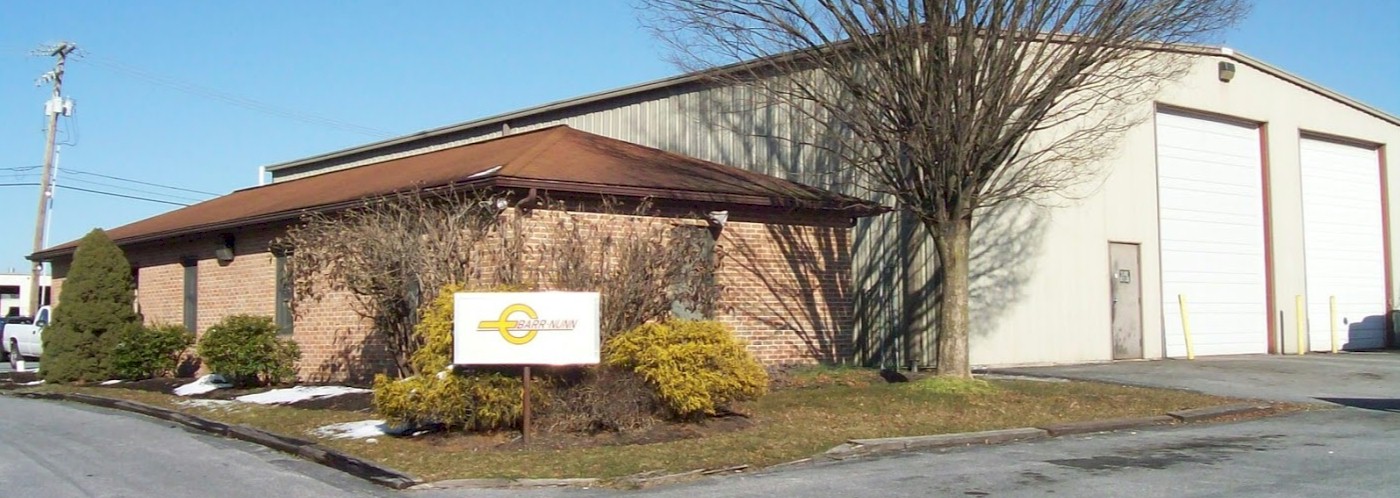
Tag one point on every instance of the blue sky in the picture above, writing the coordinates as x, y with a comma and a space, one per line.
401, 67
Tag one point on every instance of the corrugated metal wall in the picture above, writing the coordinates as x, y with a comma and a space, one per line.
722, 124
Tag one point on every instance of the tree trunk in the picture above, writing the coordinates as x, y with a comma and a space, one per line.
954, 244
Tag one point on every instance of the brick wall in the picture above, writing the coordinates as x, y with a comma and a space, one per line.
786, 290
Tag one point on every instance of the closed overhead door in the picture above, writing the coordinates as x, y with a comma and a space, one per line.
1211, 207
1343, 245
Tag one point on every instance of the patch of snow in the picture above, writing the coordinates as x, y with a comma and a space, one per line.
205, 403
110, 382
298, 393
363, 429
35, 383
202, 385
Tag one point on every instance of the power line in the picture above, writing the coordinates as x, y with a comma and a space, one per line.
162, 194
19, 169
21, 176
228, 98
92, 191
113, 194
110, 177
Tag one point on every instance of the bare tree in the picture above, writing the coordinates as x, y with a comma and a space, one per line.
948, 106
394, 253
645, 266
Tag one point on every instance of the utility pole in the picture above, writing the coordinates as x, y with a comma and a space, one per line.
56, 105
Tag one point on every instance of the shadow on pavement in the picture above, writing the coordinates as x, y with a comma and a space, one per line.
1379, 404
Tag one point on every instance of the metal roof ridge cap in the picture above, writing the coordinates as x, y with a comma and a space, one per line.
622, 91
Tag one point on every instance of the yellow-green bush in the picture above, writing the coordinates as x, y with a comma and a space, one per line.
478, 401
473, 401
434, 330
696, 367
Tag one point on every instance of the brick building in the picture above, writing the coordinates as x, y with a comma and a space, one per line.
786, 247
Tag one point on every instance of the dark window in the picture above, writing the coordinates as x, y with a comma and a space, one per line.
191, 294
284, 295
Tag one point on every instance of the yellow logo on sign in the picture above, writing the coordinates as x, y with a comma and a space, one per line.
508, 324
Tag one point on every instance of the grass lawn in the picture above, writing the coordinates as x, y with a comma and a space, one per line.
814, 410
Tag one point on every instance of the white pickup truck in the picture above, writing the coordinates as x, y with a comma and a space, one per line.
24, 340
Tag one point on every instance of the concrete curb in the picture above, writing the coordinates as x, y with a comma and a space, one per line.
863, 447
1107, 425
1199, 414
946, 440
323, 455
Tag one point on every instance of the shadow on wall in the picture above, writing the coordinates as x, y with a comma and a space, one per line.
810, 299
1006, 242
737, 127
1367, 334
356, 358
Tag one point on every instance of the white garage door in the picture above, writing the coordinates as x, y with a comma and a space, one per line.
1212, 235
1344, 248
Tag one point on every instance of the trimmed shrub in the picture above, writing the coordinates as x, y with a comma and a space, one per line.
145, 352
696, 367
95, 310
440, 395
477, 401
245, 350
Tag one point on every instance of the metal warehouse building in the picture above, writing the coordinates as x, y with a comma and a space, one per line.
1247, 192
1240, 195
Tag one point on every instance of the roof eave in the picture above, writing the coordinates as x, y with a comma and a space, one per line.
853, 207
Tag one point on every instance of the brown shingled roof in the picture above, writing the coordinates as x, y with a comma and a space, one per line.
559, 159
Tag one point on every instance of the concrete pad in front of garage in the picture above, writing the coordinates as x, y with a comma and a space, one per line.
1309, 378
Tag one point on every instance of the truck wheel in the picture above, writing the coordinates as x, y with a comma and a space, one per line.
4, 355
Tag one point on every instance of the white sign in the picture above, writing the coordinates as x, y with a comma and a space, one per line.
525, 328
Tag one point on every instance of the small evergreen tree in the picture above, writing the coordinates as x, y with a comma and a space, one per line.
94, 311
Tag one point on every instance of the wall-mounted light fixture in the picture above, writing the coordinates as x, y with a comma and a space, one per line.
224, 253
717, 220
1226, 71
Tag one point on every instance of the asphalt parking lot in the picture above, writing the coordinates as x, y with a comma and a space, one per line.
1360, 377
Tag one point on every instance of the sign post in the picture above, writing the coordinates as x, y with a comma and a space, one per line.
525, 328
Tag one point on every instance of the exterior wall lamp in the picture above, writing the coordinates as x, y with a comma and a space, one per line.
224, 253
1226, 71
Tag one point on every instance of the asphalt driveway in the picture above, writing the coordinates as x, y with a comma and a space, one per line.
1366, 380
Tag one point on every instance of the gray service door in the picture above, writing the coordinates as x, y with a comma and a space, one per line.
1126, 290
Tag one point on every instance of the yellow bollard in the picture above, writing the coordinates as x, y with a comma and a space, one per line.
1186, 327
1332, 316
1302, 325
